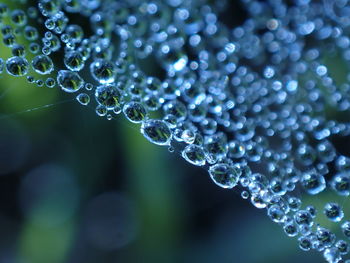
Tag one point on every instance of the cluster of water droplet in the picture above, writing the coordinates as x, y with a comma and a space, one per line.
251, 103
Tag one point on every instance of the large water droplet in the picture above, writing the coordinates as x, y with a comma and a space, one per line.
108, 96
69, 81
333, 212
42, 64
134, 111
74, 60
18, 17
313, 183
341, 183
103, 71
194, 154
156, 131
225, 175
17, 66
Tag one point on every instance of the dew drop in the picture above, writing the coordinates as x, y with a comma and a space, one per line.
343, 247
69, 81
18, 17
83, 99
332, 255
313, 183
74, 61
303, 217
194, 154
276, 213
30, 33
333, 212
134, 111
103, 71
108, 95
42, 64
39, 82
156, 131
305, 243
17, 66
50, 82
345, 227
18, 50
224, 175
245, 194
2, 64
101, 110
341, 184
290, 229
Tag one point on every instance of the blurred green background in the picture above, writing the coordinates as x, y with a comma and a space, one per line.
75, 187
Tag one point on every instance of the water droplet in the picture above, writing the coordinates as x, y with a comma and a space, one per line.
176, 108
39, 82
276, 213
332, 255
313, 183
34, 48
50, 82
290, 229
224, 175
194, 154
134, 111
3, 9
90, 4
74, 60
18, 50
101, 110
2, 64
303, 217
30, 79
333, 212
156, 131
305, 243
345, 227
103, 71
18, 17
83, 99
42, 64
216, 145
341, 184
31, 33
17, 66
245, 194
343, 247
258, 201
294, 203
108, 96
69, 81
49, 7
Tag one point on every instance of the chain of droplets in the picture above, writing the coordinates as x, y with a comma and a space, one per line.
237, 100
